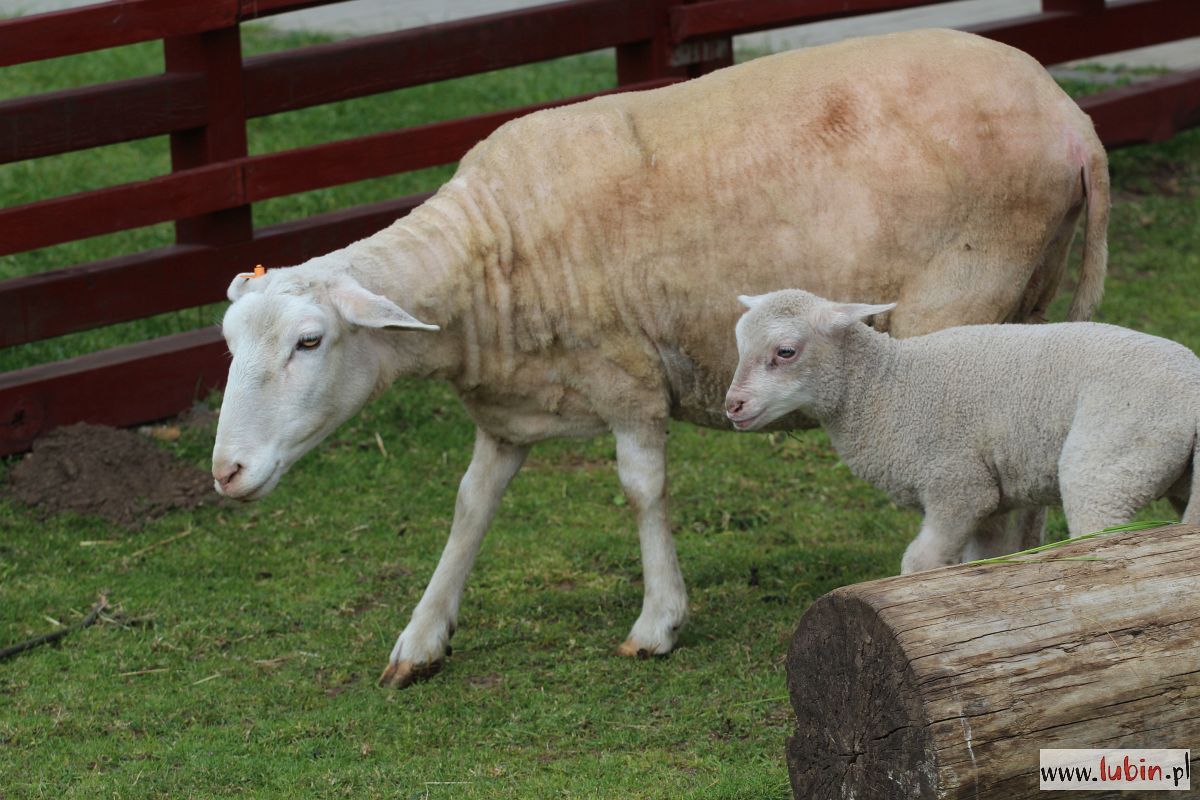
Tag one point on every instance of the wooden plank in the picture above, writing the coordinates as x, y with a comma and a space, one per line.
1148, 111
96, 27
131, 205
217, 55
745, 16
121, 386
76, 119
319, 74
171, 278
1057, 36
1065, 30
257, 9
1077, 6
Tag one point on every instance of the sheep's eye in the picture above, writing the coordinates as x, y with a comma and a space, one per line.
786, 352
311, 342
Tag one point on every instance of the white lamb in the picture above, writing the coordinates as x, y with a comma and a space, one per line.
973, 421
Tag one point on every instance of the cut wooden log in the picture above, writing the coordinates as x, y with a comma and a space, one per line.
945, 684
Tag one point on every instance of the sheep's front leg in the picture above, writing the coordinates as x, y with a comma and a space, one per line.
424, 642
642, 467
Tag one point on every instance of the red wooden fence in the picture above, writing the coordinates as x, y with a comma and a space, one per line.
208, 91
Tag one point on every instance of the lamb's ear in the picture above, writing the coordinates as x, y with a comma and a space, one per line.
840, 316
361, 307
750, 300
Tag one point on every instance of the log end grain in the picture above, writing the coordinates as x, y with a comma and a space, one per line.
860, 726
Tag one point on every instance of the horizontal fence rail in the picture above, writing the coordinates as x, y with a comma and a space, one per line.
78, 119
1056, 36
208, 91
325, 73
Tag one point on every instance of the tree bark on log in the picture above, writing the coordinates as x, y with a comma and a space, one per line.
945, 684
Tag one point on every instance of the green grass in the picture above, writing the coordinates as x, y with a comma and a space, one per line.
268, 624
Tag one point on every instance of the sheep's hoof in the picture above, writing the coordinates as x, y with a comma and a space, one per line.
405, 673
631, 649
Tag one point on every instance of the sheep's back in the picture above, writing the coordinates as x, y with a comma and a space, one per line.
845, 170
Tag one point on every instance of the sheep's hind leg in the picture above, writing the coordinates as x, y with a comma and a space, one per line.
425, 640
642, 467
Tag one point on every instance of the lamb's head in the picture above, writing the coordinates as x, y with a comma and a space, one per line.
307, 355
788, 342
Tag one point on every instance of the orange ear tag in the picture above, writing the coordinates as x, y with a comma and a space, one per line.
259, 271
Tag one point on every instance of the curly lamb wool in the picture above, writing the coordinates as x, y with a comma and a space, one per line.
974, 421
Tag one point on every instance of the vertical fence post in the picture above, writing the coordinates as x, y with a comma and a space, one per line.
218, 56
706, 55
650, 59
663, 57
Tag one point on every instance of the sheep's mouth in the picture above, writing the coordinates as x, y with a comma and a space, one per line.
256, 492
746, 423
267, 486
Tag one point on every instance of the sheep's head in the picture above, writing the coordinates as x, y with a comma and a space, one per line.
785, 342
305, 359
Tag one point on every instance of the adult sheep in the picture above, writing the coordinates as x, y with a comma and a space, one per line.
579, 273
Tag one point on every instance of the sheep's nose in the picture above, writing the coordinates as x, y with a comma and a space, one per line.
734, 405
226, 473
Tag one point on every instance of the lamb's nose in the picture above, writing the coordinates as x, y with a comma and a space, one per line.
733, 406
226, 473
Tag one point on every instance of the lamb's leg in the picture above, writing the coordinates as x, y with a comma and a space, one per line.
1180, 505
423, 643
943, 536
924, 307
1028, 526
642, 466
1002, 534
1106, 478
992, 538
1088, 512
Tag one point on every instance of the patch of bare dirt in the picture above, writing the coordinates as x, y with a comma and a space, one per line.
489, 681
113, 473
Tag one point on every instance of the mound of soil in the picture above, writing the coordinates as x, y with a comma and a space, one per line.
117, 474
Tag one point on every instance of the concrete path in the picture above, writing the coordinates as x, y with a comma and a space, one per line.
358, 17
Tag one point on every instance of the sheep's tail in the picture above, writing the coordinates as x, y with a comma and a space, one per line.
1095, 236
1191, 514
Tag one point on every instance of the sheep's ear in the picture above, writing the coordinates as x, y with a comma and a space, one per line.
361, 307
840, 316
750, 300
239, 285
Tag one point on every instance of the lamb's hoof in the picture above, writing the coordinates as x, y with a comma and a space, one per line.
400, 674
631, 649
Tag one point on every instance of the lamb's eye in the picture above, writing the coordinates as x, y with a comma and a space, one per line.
309, 342
786, 353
